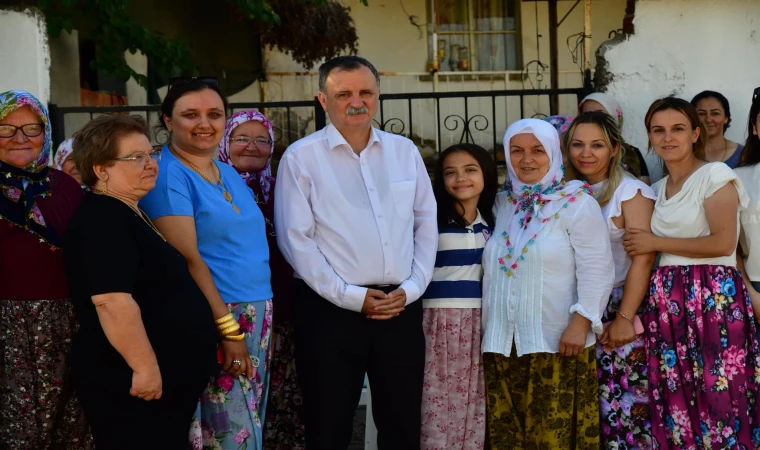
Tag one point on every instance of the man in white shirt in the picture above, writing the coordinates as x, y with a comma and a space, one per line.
356, 218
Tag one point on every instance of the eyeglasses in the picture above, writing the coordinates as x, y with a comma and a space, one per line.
29, 130
141, 159
260, 143
179, 81
756, 93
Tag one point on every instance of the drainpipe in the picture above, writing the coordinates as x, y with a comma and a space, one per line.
553, 56
587, 51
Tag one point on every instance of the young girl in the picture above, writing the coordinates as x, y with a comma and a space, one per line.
453, 402
594, 149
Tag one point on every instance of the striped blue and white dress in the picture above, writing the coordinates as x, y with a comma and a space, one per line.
453, 401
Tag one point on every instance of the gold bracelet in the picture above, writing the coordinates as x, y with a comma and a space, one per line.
227, 325
625, 317
235, 338
223, 319
228, 331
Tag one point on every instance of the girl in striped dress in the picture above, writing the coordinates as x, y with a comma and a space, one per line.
453, 402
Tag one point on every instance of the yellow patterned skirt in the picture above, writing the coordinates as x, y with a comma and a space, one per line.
542, 401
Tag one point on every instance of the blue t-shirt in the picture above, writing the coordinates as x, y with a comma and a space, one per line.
233, 246
733, 161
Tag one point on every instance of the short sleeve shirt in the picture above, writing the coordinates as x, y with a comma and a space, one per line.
110, 249
233, 245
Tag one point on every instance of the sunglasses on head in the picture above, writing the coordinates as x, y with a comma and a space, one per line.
179, 81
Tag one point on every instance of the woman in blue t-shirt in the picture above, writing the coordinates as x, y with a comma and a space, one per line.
209, 214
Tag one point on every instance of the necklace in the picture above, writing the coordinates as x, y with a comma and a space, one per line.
138, 211
218, 182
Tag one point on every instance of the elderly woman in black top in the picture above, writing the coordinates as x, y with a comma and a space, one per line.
146, 346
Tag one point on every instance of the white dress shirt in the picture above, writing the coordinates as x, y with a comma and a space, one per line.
344, 220
567, 269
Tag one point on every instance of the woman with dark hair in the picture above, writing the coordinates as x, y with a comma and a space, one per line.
37, 323
749, 172
715, 114
594, 150
703, 356
207, 212
453, 399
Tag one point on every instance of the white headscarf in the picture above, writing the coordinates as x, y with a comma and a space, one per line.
535, 204
609, 103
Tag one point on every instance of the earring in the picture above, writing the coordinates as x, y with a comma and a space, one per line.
105, 183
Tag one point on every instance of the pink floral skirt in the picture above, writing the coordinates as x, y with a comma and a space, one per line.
453, 397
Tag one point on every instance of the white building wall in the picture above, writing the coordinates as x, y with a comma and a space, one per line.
24, 52
682, 47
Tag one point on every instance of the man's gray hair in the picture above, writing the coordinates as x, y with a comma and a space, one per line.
347, 63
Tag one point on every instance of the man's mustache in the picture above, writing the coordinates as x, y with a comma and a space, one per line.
351, 111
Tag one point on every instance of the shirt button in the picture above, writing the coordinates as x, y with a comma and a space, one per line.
372, 189
386, 243
387, 273
379, 216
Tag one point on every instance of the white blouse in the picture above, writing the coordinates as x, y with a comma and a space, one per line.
568, 269
683, 215
750, 220
627, 189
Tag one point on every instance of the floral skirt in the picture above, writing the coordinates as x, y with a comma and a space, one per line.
37, 407
231, 411
623, 393
283, 428
704, 364
453, 396
542, 401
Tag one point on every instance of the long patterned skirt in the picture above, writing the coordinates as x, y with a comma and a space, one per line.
283, 428
542, 401
453, 396
37, 407
704, 363
623, 393
231, 411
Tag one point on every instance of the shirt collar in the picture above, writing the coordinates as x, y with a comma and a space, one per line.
335, 139
478, 220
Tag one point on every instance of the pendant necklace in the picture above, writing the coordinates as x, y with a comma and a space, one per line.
227, 195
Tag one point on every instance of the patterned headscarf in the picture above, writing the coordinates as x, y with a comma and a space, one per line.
535, 204
560, 123
264, 176
63, 152
21, 187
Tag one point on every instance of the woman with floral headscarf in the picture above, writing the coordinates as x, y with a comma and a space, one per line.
37, 408
64, 161
548, 275
633, 161
247, 146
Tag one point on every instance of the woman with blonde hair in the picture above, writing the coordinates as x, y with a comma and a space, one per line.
594, 151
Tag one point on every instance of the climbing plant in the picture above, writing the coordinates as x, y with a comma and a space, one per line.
307, 29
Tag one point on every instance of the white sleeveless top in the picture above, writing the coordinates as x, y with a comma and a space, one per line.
627, 189
683, 215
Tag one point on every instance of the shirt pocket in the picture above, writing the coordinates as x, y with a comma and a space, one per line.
403, 197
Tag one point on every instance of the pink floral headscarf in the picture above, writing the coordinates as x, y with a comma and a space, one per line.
263, 176
63, 152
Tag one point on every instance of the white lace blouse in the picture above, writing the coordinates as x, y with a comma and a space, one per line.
568, 269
